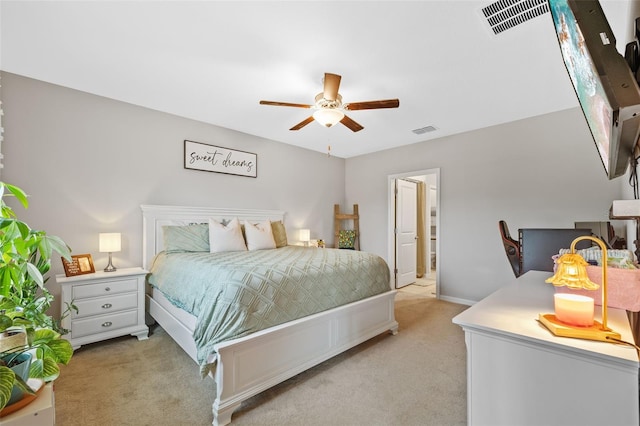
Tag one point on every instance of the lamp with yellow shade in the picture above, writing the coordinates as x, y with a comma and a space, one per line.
574, 313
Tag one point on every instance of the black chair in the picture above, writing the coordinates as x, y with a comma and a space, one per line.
511, 248
536, 246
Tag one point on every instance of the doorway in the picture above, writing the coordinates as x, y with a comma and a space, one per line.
430, 205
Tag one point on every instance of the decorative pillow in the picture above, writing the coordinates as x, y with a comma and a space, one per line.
279, 234
347, 239
259, 236
193, 237
225, 237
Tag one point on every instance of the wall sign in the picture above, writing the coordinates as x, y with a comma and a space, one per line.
211, 158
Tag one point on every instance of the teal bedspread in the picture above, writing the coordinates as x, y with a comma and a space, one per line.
233, 294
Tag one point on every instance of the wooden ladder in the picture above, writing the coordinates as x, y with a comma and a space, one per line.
339, 218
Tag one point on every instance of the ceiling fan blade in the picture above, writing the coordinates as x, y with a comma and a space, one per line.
387, 103
355, 127
303, 123
285, 104
331, 86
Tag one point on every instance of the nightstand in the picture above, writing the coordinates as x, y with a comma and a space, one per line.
110, 304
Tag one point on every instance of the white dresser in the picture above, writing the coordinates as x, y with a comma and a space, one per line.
110, 304
518, 373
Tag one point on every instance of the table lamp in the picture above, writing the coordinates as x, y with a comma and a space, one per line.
110, 243
571, 318
305, 236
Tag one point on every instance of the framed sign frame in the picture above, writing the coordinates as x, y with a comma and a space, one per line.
80, 264
211, 158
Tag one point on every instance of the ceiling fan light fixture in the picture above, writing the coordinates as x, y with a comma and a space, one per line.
329, 108
327, 117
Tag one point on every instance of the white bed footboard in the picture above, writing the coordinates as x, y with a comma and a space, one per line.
252, 364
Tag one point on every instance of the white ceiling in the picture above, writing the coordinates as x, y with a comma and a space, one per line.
213, 61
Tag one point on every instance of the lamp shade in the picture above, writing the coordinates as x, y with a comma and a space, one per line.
305, 235
109, 242
328, 116
571, 271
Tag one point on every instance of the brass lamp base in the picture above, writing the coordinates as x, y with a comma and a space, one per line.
594, 332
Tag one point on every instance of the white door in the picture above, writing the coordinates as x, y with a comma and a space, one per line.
405, 232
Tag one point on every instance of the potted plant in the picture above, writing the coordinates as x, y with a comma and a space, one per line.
25, 257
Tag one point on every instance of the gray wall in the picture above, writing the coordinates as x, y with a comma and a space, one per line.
89, 162
517, 172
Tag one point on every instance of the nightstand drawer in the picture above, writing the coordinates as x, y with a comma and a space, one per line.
105, 305
104, 288
103, 323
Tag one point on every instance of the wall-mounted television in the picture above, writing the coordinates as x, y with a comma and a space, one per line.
606, 88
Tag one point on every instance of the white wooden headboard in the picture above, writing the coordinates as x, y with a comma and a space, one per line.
155, 217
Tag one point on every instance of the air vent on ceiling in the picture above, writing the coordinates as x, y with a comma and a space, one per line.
424, 130
505, 14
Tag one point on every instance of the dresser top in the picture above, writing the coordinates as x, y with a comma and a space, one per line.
513, 311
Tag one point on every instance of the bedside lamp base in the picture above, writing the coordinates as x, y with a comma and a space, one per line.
594, 332
110, 267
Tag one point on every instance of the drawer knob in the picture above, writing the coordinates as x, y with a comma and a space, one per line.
107, 289
107, 306
107, 324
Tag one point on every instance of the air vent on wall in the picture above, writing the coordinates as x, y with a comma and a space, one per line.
424, 130
505, 14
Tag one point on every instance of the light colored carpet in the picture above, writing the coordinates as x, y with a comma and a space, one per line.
428, 285
417, 377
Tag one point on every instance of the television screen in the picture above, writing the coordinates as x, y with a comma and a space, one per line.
606, 88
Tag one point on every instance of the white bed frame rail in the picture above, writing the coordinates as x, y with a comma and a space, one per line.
252, 364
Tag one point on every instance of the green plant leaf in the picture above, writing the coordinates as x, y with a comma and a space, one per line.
18, 193
5, 322
43, 336
52, 345
45, 369
35, 274
7, 377
12, 231
4, 222
23, 228
6, 304
58, 246
5, 282
62, 350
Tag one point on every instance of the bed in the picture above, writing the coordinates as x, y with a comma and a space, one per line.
247, 365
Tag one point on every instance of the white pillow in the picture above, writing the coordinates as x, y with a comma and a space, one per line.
225, 238
259, 236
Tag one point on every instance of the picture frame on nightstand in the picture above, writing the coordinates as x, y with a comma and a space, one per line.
80, 264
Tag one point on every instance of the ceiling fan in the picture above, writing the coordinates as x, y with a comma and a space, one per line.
330, 109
